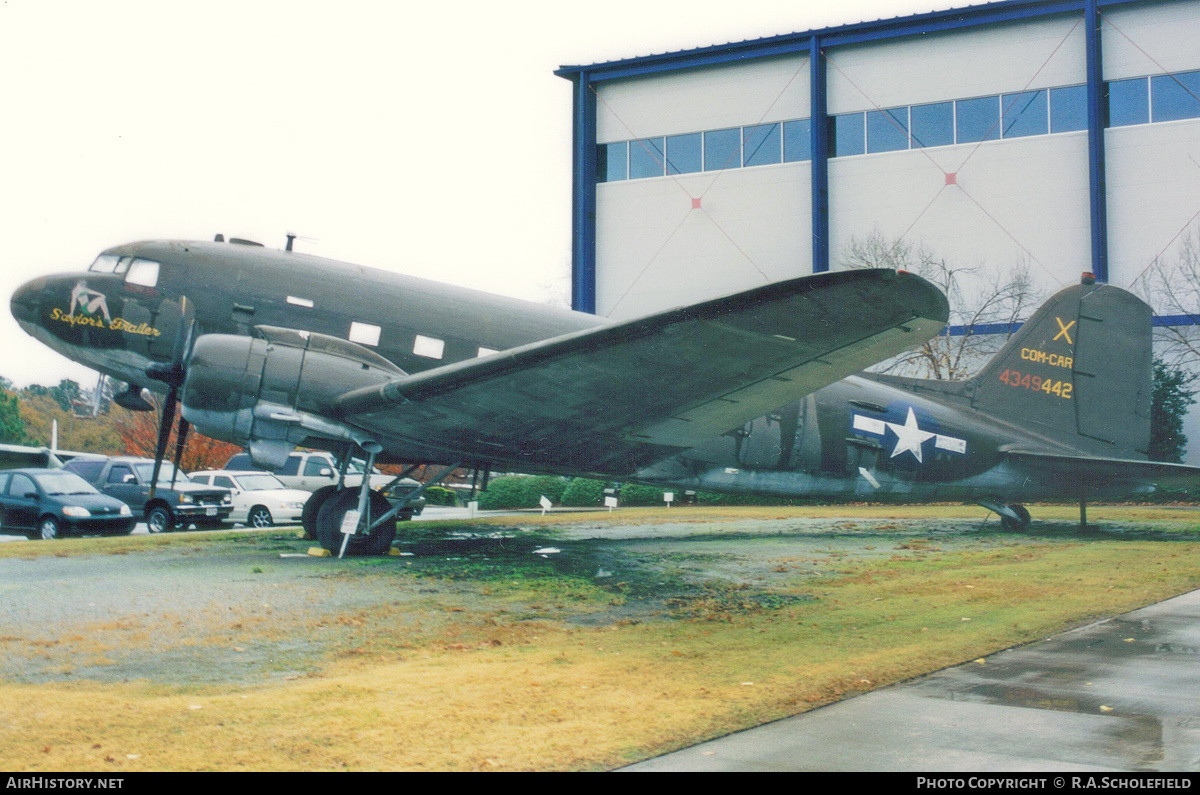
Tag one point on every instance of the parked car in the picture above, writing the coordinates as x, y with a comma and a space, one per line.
128, 479
259, 498
51, 503
310, 470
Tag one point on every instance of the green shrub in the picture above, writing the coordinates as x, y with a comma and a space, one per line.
520, 491
636, 494
584, 493
436, 495
550, 486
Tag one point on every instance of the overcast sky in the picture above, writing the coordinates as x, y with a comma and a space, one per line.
430, 140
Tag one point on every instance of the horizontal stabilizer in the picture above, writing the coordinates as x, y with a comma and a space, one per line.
1104, 472
613, 398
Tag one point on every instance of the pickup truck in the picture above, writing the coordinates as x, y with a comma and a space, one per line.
128, 479
310, 470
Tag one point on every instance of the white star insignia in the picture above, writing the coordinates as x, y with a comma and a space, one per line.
909, 437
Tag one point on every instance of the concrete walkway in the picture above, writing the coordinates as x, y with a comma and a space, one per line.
1118, 695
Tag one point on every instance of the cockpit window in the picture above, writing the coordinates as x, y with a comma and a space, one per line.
105, 263
143, 272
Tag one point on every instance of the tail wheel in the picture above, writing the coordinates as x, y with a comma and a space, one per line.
259, 516
334, 510
312, 507
1018, 525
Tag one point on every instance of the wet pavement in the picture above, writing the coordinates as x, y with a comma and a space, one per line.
1118, 695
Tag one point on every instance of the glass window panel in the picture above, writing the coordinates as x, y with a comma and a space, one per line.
1128, 102
763, 146
1175, 96
683, 153
722, 149
797, 140
105, 263
887, 130
848, 137
613, 162
1068, 109
143, 272
978, 119
1025, 114
932, 125
646, 158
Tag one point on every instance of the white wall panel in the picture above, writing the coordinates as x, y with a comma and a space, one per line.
654, 251
725, 96
1151, 38
957, 65
1153, 192
1022, 200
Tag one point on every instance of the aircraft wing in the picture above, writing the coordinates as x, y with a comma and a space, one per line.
1109, 471
614, 398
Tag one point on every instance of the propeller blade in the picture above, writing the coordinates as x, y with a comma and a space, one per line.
164, 433
172, 374
180, 441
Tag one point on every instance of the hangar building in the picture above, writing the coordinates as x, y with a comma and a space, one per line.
1060, 136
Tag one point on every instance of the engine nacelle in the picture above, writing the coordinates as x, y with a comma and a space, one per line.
271, 392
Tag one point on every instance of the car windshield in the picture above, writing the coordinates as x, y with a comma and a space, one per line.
59, 483
259, 482
356, 467
164, 475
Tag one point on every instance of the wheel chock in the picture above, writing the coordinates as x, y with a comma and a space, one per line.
319, 552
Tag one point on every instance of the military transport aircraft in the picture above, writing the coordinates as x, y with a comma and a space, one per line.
274, 349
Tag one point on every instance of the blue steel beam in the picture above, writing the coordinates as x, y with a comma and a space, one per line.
583, 200
1098, 186
819, 130
858, 33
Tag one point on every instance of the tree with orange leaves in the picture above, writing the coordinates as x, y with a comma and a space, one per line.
139, 434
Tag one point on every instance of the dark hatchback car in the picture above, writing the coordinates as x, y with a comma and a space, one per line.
48, 503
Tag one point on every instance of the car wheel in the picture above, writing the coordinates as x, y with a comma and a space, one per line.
159, 519
48, 528
259, 517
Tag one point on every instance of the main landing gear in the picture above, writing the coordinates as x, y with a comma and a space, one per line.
359, 521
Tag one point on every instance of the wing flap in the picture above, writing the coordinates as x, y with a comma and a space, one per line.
618, 396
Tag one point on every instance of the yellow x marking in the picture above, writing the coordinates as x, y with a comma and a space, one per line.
1063, 330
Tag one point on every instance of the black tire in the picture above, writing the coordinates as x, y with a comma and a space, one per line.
49, 528
259, 517
312, 507
160, 520
329, 525
1018, 525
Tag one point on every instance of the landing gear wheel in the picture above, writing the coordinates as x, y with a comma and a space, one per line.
1018, 525
48, 528
259, 517
329, 525
312, 506
159, 520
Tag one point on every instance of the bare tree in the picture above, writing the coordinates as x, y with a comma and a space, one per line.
979, 297
1171, 286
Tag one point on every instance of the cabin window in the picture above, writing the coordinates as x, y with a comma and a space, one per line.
364, 334
143, 272
429, 347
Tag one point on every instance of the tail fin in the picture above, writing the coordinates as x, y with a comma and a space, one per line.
1078, 371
